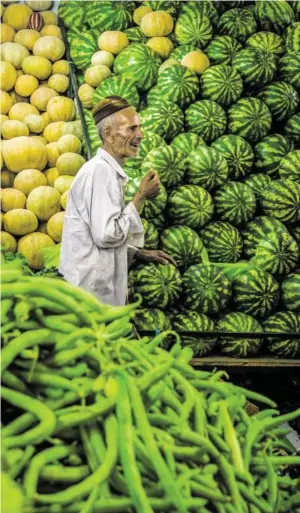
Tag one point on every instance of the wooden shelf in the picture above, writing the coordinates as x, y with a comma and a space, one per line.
224, 361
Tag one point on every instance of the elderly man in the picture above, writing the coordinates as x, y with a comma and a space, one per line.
101, 235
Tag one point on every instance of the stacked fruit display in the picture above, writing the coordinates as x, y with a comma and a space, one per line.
217, 88
41, 142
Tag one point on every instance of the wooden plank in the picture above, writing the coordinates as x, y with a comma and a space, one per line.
224, 361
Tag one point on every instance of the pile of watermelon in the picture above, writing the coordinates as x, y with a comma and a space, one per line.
226, 144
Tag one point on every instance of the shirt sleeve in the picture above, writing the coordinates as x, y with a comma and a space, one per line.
110, 224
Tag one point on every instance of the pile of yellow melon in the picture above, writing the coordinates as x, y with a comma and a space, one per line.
40, 138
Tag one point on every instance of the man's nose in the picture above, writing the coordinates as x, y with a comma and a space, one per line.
139, 133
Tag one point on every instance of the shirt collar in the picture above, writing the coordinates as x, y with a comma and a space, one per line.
112, 161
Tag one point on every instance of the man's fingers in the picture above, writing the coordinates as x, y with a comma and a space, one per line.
167, 257
161, 260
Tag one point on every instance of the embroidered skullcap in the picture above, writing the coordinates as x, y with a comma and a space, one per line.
108, 106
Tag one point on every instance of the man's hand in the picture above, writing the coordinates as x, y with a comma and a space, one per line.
154, 255
150, 185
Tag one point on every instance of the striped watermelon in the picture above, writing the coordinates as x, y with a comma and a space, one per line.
295, 232
281, 199
190, 205
154, 97
289, 69
284, 322
281, 98
150, 234
290, 166
187, 142
162, 5
150, 141
256, 66
206, 167
93, 135
238, 322
138, 63
82, 48
293, 38
222, 49
222, 84
183, 244
165, 119
168, 162
182, 50
257, 183
222, 242
296, 8
135, 35
274, 16
249, 118
193, 321
109, 15
205, 8
235, 202
193, 28
238, 154
133, 167
205, 289
291, 292
72, 12
158, 284
178, 84
292, 128
238, 23
150, 319
207, 119
268, 41
255, 292
277, 255
119, 86
260, 229
159, 221
269, 152
152, 207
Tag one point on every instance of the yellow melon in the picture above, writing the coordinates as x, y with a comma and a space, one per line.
35, 123
140, 12
73, 128
163, 46
39, 67
59, 82
32, 245
26, 85
8, 243
41, 96
53, 131
61, 67
55, 226
24, 153
63, 183
40, 139
51, 175
96, 74
20, 221
29, 179
17, 16
39, 5
3, 118
113, 41
49, 17
61, 108
27, 38
157, 24
8, 76
44, 201
13, 128
5, 102
14, 53
20, 110
196, 61
64, 200
7, 178
51, 30
69, 163
86, 93
11, 199
52, 153
102, 58
50, 47
7, 33
68, 143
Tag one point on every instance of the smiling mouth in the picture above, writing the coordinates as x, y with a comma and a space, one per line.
135, 145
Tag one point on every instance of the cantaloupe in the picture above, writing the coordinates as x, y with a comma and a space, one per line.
96, 74
51, 175
62, 67
86, 93
35, 123
59, 82
64, 200
29, 179
41, 96
5, 102
61, 108
52, 153
55, 226
69, 163
196, 61
11, 199
27, 38
26, 84
113, 41
49, 17
20, 110
7, 33
32, 245
17, 16
20, 221
43, 201
102, 58
14, 53
63, 183
49, 47
24, 153
39, 67
13, 128
51, 30
68, 143
53, 131
8, 76
8, 242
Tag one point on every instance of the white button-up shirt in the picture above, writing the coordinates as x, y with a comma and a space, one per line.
100, 233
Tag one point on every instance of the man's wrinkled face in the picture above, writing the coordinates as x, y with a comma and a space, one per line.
125, 134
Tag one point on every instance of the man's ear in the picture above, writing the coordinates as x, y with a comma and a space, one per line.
108, 134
